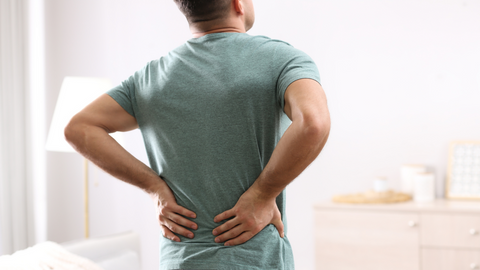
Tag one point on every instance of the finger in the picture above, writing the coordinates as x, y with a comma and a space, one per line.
227, 214
182, 221
226, 226
175, 228
168, 234
244, 237
183, 211
236, 231
279, 225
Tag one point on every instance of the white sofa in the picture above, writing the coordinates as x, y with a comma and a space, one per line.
113, 252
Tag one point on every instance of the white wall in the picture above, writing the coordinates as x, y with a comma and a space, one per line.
402, 80
106, 39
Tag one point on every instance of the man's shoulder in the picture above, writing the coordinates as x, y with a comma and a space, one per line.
254, 45
269, 41
280, 48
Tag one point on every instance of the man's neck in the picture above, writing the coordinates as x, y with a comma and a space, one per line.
205, 28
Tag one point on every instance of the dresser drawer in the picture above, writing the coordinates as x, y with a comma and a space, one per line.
450, 259
372, 240
365, 228
450, 231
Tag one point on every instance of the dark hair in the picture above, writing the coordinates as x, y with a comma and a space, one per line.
203, 10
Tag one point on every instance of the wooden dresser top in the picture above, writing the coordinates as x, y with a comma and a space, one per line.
439, 206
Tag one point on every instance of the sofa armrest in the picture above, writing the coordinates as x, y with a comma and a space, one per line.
113, 252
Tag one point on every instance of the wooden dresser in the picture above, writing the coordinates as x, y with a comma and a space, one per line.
440, 235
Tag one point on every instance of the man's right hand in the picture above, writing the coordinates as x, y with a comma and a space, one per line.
171, 216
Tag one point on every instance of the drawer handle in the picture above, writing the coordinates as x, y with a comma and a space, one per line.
473, 231
473, 266
412, 223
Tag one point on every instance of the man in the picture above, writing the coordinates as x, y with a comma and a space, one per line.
215, 116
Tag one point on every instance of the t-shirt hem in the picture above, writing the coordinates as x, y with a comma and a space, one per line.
292, 80
209, 266
116, 96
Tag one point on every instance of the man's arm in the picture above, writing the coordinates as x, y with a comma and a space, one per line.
88, 132
306, 106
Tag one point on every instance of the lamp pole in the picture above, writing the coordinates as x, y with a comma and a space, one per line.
85, 180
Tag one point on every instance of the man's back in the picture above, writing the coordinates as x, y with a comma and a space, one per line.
211, 114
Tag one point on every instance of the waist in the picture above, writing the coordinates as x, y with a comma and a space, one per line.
266, 250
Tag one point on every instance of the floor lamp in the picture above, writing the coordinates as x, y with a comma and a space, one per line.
75, 94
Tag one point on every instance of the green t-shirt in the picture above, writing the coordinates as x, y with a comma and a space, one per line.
211, 113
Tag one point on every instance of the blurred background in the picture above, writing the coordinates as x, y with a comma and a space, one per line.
402, 80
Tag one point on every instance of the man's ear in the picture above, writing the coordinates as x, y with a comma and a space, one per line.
238, 4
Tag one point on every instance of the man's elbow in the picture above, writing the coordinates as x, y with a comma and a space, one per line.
73, 132
317, 128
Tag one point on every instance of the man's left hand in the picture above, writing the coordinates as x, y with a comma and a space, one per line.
249, 216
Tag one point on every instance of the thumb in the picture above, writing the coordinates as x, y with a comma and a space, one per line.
277, 222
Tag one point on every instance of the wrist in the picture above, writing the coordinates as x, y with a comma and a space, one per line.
263, 192
155, 186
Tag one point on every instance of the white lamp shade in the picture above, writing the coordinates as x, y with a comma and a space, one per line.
76, 93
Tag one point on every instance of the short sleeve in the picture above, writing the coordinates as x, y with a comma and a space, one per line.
295, 65
124, 94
